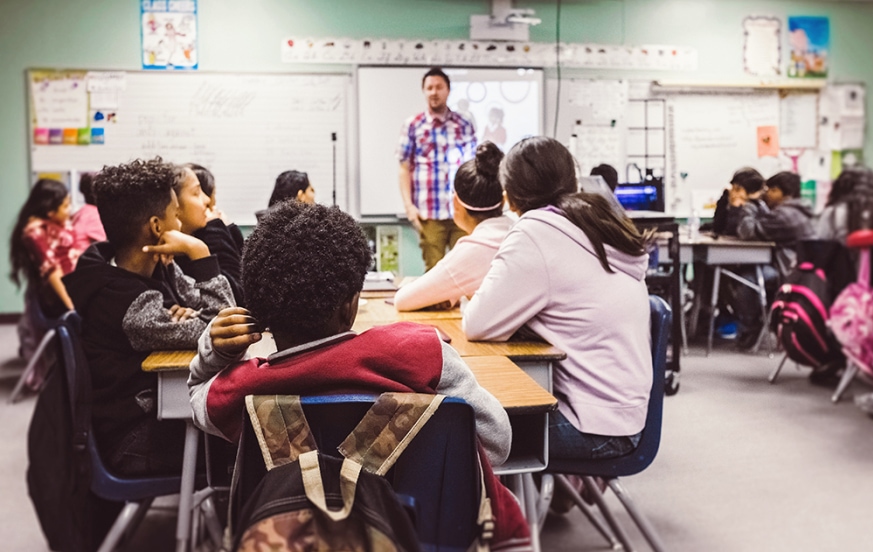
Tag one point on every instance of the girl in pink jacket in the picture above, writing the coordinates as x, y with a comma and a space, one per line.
572, 271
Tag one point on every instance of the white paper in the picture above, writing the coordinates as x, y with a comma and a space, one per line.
98, 81
761, 50
107, 99
60, 103
851, 133
798, 121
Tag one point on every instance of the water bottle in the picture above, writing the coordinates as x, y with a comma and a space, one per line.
694, 226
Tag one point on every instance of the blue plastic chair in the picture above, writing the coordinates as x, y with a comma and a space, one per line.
436, 477
136, 492
611, 469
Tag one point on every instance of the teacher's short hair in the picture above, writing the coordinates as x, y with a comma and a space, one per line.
436, 72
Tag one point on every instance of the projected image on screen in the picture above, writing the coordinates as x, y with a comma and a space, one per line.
503, 110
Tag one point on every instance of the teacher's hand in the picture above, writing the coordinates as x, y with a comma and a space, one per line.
413, 216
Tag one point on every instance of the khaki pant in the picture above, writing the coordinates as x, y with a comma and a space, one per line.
435, 237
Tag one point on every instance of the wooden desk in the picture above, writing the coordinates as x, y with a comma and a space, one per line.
725, 250
377, 310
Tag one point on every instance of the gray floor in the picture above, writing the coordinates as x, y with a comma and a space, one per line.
744, 465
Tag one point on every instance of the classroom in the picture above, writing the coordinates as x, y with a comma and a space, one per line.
755, 452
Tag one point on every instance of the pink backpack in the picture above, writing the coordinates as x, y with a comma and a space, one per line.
851, 315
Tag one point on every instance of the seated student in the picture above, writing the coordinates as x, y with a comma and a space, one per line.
303, 271
747, 185
200, 220
207, 184
478, 203
783, 218
86, 221
42, 249
608, 173
851, 191
132, 303
572, 272
290, 185
42, 245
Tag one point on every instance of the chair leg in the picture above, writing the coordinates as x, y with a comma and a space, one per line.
716, 279
595, 521
129, 513
642, 523
617, 529
848, 376
775, 373
30, 369
547, 491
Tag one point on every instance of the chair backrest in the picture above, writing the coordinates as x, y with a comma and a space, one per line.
436, 476
104, 484
645, 452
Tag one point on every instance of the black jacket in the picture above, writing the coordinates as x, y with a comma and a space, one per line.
125, 316
226, 243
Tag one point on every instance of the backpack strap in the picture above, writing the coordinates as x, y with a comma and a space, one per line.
314, 486
387, 429
281, 428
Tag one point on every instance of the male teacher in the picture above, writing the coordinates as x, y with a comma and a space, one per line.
433, 145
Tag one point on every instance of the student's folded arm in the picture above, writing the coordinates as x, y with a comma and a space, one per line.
435, 286
748, 227
203, 369
492, 422
204, 288
149, 326
514, 291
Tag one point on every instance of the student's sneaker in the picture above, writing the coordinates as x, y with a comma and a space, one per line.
727, 330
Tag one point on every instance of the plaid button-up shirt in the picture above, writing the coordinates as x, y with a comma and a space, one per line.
435, 149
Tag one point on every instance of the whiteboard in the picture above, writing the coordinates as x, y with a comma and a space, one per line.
388, 96
246, 128
711, 136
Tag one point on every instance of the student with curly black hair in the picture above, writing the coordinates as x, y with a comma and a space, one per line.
303, 271
134, 300
478, 211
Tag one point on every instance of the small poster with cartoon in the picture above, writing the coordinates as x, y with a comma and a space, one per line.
809, 40
169, 34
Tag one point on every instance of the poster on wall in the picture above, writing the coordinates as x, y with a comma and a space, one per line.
169, 34
809, 40
761, 48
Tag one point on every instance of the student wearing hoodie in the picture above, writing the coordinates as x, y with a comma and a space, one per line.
478, 202
133, 300
783, 218
573, 272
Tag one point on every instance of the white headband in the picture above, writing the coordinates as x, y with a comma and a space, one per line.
469, 208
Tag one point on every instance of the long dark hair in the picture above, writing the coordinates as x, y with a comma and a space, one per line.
204, 176
857, 176
287, 185
477, 184
540, 171
45, 196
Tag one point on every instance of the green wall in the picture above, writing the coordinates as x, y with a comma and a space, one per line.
245, 36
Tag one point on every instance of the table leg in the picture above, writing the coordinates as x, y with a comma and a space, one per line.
762, 296
186, 492
531, 510
716, 279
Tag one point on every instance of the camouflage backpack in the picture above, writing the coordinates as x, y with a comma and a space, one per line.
311, 501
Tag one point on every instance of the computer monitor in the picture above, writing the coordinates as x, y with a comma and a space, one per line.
642, 196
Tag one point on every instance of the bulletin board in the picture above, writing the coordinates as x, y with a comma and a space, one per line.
246, 128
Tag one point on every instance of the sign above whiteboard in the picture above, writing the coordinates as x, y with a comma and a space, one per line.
474, 53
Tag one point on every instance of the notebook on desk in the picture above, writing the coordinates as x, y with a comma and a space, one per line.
379, 281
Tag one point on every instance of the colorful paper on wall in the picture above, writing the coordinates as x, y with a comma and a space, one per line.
169, 34
59, 100
809, 40
768, 141
98, 136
